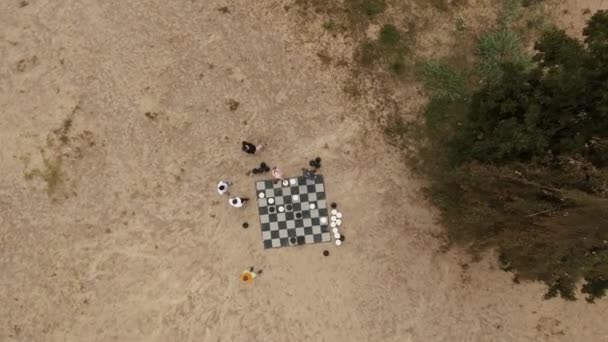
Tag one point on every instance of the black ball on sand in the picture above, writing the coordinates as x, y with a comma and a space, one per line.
342, 238
318, 160
326, 252
245, 225
255, 171
263, 166
334, 205
266, 169
312, 163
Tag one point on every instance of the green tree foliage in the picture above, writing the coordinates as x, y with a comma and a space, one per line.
559, 107
517, 151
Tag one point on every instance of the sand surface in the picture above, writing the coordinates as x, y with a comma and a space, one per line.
115, 126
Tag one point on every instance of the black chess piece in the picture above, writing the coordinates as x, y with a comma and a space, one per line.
334, 205
255, 171
245, 225
326, 252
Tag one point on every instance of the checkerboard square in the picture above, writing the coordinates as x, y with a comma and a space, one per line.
266, 235
269, 193
289, 216
287, 199
321, 196
321, 204
264, 219
319, 188
276, 243
301, 240
282, 225
291, 232
285, 242
317, 238
263, 210
268, 243
281, 217
307, 222
283, 232
279, 201
287, 192
274, 234
312, 197
316, 229
309, 239
291, 224
265, 227
274, 225
307, 230
326, 237
299, 231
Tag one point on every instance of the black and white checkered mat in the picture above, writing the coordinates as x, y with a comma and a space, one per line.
294, 213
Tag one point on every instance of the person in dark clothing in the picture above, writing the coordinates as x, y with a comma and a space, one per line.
250, 148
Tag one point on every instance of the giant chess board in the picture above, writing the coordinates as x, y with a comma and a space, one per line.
293, 212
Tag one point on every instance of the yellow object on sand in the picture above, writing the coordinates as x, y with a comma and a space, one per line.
247, 277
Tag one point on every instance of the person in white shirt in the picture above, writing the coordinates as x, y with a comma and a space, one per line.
237, 202
222, 187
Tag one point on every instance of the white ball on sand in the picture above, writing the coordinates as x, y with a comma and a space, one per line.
339, 215
261, 195
337, 235
334, 212
271, 200
312, 206
334, 230
338, 222
332, 224
333, 218
338, 242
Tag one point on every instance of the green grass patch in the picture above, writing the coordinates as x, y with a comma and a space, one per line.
388, 50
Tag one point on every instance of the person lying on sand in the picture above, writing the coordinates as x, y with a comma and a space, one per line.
250, 148
237, 202
222, 187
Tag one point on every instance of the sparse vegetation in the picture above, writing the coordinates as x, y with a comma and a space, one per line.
388, 51
514, 143
520, 163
